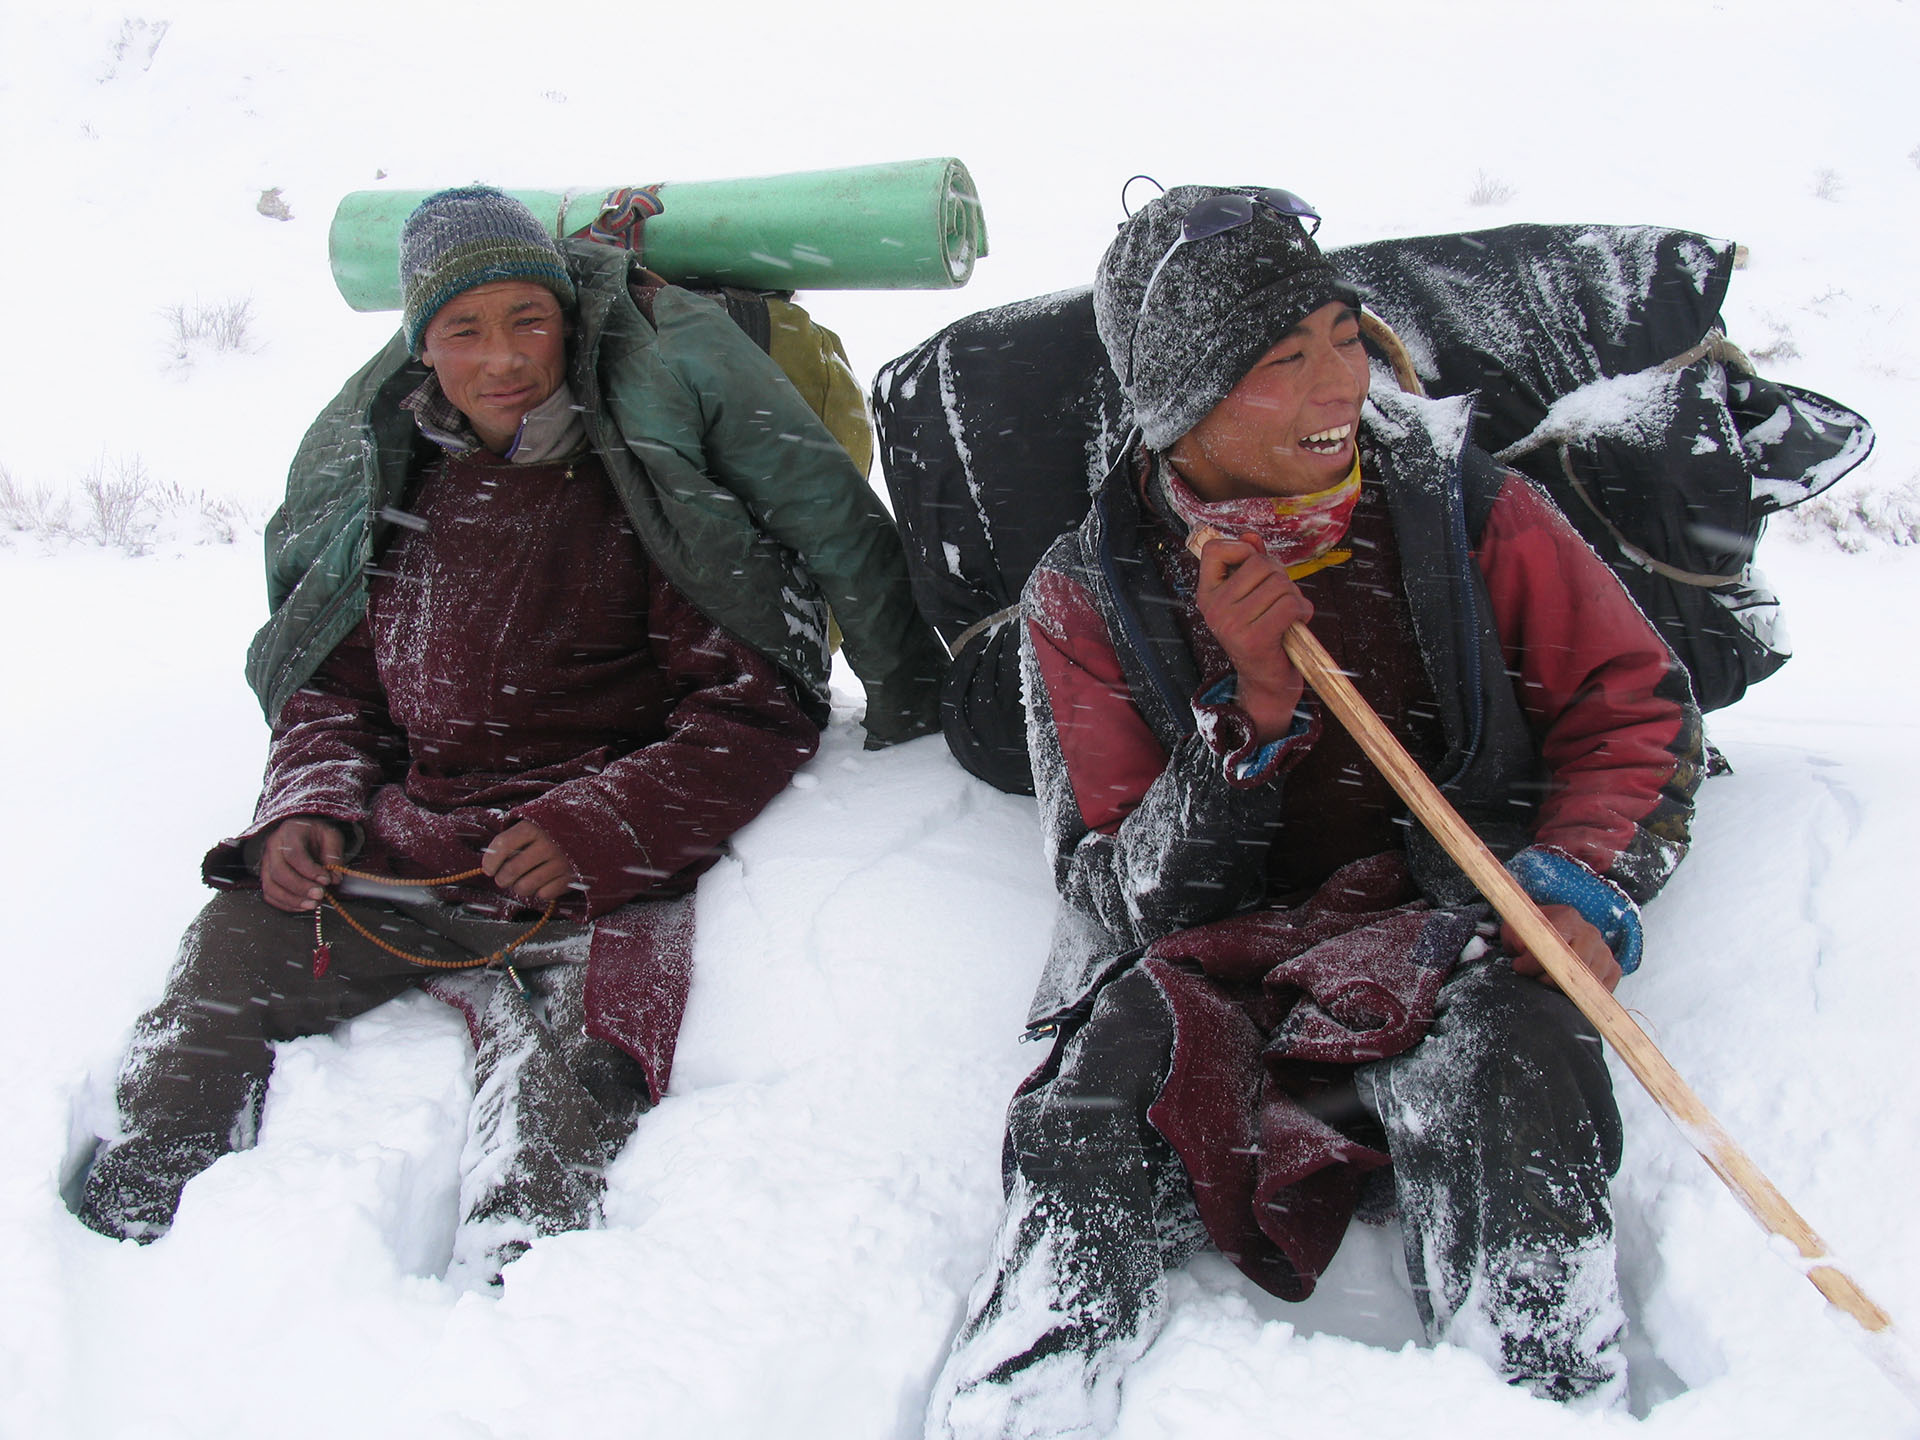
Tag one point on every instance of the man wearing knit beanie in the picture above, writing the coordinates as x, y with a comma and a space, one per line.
1272, 1001
531, 663
467, 237
1184, 320
484, 292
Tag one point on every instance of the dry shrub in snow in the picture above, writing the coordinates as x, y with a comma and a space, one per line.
1780, 347
114, 504
1855, 517
119, 505
135, 48
1489, 190
224, 327
34, 510
1827, 184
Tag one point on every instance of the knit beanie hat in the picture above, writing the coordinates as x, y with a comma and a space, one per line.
1217, 304
457, 239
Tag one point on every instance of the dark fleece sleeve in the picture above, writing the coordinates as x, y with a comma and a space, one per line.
1611, 707
332, 747
1144, 841
662, 812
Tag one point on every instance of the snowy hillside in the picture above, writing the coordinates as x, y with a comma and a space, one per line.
792, 1233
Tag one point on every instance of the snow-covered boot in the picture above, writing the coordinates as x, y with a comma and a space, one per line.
1551, 1322
1504, 1135
538, 1138
133, 1189
1074, 1297
1097, 1209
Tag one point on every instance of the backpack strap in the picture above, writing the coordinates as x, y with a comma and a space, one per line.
748, 310
1153, 652
643, 285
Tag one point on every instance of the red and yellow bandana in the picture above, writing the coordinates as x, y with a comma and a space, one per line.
1300, 531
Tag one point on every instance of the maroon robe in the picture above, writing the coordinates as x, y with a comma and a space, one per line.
521, 659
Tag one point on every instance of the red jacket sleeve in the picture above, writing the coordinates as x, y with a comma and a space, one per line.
1135, 834
1611, 707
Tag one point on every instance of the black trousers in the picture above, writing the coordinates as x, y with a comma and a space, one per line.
1503, 1133
1505, 1136
194, 1077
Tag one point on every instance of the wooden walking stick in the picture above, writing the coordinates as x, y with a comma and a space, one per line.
1751, 1188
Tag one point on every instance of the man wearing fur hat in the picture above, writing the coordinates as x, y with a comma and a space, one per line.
549, 596
1272, 1001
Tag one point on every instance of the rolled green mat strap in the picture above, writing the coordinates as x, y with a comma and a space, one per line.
913, 225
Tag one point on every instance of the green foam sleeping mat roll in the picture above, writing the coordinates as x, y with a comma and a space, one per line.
910, 225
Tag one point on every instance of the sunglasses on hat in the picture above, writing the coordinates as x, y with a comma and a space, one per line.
1216, 215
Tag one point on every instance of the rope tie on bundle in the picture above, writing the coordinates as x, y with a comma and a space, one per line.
622, 217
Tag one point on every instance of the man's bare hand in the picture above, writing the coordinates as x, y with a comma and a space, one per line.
294, 860
1249, 603
1579, 934
526, 864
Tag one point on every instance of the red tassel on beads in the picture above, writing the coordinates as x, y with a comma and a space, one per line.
322, 951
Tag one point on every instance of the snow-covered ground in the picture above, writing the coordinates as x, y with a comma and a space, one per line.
791, 1234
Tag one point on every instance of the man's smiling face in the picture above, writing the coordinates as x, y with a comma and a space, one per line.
1289, 427
499, 350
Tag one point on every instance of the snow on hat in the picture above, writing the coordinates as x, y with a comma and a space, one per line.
1217, 304
473, 235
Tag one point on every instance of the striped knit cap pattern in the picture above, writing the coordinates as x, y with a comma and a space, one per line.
473, 235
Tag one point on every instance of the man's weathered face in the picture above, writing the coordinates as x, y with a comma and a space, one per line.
1289, 427
499, 350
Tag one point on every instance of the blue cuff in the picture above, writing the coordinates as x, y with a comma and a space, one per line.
1223, 691
1226, 691
1552, 878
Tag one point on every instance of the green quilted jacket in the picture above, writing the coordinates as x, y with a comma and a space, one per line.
733, 485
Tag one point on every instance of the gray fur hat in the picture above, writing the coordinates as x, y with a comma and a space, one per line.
1217, 304
473, 235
